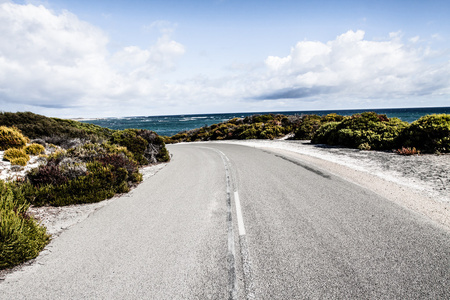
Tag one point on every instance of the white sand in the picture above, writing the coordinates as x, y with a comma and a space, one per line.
10, 173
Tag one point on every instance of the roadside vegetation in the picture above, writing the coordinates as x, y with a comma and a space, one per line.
84, 163
253, 127
365, 131
78, 163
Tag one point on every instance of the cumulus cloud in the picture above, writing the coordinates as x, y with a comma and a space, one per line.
55, 60
160, 57
55, 63
354, 67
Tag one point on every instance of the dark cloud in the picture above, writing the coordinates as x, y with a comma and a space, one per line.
295, 93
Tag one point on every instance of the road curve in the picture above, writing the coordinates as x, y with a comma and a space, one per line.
298, 233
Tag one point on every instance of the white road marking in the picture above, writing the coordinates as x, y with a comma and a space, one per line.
240, 219
246, 261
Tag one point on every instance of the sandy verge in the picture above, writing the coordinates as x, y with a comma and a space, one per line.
420, 183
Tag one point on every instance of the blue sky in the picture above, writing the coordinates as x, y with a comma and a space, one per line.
123, 58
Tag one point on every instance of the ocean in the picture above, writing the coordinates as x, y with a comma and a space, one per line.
170, 125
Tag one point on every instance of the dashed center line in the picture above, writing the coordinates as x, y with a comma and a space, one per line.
246, 261
240, 219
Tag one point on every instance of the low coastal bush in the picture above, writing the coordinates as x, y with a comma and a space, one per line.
11, 137
86, 174
16, 156
34, 149
130, 139
49, 174
100, 182
268, 126
60, 130
21, 161
429, 134
368, 131
21, 238
309, 124
146, 146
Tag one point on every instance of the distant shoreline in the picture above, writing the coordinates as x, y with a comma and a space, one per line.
172, 124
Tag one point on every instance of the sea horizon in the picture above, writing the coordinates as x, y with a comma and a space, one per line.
169, 125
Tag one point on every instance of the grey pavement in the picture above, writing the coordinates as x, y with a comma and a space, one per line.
308, 235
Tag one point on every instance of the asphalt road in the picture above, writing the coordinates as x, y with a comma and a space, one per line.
232, 222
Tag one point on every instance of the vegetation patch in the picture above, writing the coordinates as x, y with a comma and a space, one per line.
408, 151
85, 163
11, 137
37, 126
16, 156
309, 124
366, 131
34, 149
21, 238
252, 127
146, 146
429, 134
85, 174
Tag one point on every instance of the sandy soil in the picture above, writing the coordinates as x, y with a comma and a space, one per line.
10, 173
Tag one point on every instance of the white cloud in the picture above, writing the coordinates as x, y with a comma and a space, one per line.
57, 60
354, 67
56, 64
160, 57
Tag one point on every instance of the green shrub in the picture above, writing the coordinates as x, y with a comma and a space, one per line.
38, 126
326, 134
163, 155
34, 149
307, 127
252, 127
11, 137
13, 154
428, 134
90, 176
146, 146
136, 144
21, 238
21, 161
364, 146
365, 131
99, 184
